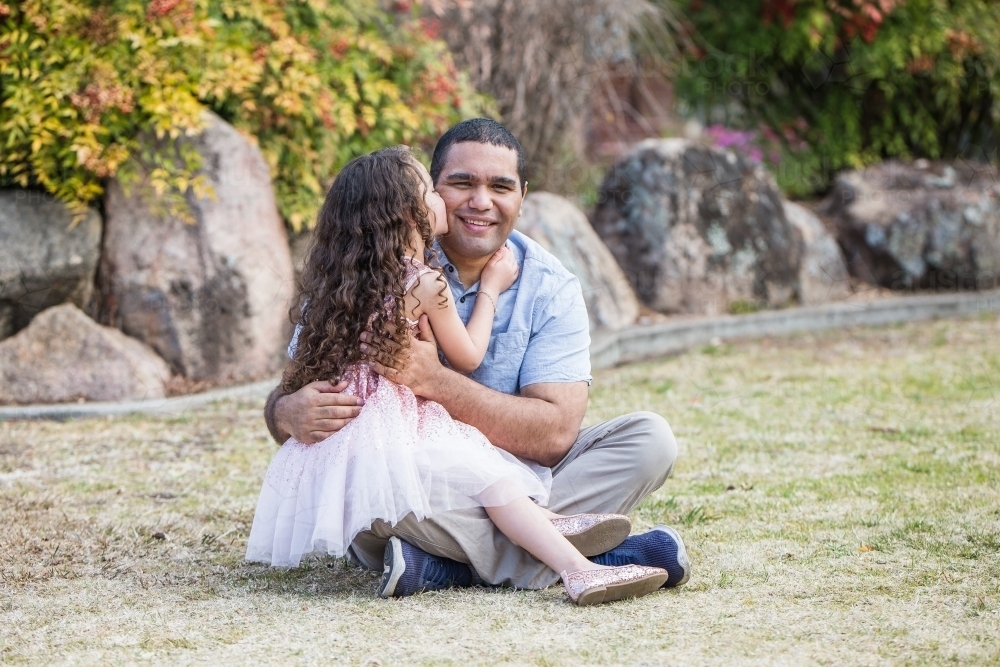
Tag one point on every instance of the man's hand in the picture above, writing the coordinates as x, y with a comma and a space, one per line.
541, 424
316, 411
419, 368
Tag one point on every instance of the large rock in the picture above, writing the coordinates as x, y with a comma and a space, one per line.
562, 229
45, 259
921, 224
210, 297
299, 247
698, 229
822, 272
64, 356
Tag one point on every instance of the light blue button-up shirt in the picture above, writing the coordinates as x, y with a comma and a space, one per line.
541, 332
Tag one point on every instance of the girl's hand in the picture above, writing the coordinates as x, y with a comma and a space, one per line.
500, 272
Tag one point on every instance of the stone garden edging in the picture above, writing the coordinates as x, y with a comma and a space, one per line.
654, 340
177, 404
614, 347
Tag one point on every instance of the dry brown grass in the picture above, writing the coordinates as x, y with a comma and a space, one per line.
840, 495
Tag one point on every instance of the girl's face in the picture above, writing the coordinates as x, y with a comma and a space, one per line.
437, 212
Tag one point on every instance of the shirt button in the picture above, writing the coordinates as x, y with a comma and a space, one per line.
462, 300
451, 269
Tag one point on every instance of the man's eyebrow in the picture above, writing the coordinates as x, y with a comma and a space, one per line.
465, 176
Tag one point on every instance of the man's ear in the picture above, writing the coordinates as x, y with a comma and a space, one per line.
524, 190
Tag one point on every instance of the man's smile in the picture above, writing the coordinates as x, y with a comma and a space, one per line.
478, 223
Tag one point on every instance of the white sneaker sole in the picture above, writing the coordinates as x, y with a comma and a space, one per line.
682, 555
393, 567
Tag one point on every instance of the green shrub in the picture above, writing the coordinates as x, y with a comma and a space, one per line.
845, 83
316, 83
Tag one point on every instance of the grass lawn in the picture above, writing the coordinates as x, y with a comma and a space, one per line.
839, 494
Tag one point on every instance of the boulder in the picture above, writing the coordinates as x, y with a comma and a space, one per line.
299, 247
822, 272
921, 224
212, 296
562, 229
698, 229
45, 259
64, 356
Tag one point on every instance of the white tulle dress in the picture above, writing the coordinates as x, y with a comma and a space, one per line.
402, 454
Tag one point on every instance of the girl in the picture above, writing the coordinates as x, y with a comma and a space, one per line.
405, 454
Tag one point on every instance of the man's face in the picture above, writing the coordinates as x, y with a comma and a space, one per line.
481, 190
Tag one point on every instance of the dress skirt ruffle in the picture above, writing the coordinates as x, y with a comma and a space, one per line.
401, 455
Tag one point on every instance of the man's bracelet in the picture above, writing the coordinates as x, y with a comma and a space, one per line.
494, 303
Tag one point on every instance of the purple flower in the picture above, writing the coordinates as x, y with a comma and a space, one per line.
744, 142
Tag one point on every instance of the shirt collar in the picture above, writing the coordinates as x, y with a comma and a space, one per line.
451, 273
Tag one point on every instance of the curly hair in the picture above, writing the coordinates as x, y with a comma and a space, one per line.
355, 274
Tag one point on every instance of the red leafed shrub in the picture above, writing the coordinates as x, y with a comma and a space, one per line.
848, 82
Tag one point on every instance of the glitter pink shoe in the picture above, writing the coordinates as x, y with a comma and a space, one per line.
593, 534
588, 587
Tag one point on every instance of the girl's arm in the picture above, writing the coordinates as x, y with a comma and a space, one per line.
464, 346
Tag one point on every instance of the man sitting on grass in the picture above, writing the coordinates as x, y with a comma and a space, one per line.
528, 396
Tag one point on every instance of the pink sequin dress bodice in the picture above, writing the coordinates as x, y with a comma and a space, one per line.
403, 454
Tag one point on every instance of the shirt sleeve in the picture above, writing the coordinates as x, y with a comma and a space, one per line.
294, 343
559, 348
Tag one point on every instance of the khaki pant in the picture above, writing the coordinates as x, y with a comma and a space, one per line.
611, 467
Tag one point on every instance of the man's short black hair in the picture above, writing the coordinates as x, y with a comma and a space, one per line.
481, 131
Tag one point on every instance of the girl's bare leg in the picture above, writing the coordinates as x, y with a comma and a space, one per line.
529, 526
548, 514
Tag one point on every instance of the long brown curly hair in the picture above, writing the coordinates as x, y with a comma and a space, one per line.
355, 274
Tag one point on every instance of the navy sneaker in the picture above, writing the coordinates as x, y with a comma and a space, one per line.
659, 547
409, 570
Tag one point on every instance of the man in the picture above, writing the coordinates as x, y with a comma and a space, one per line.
528, 397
